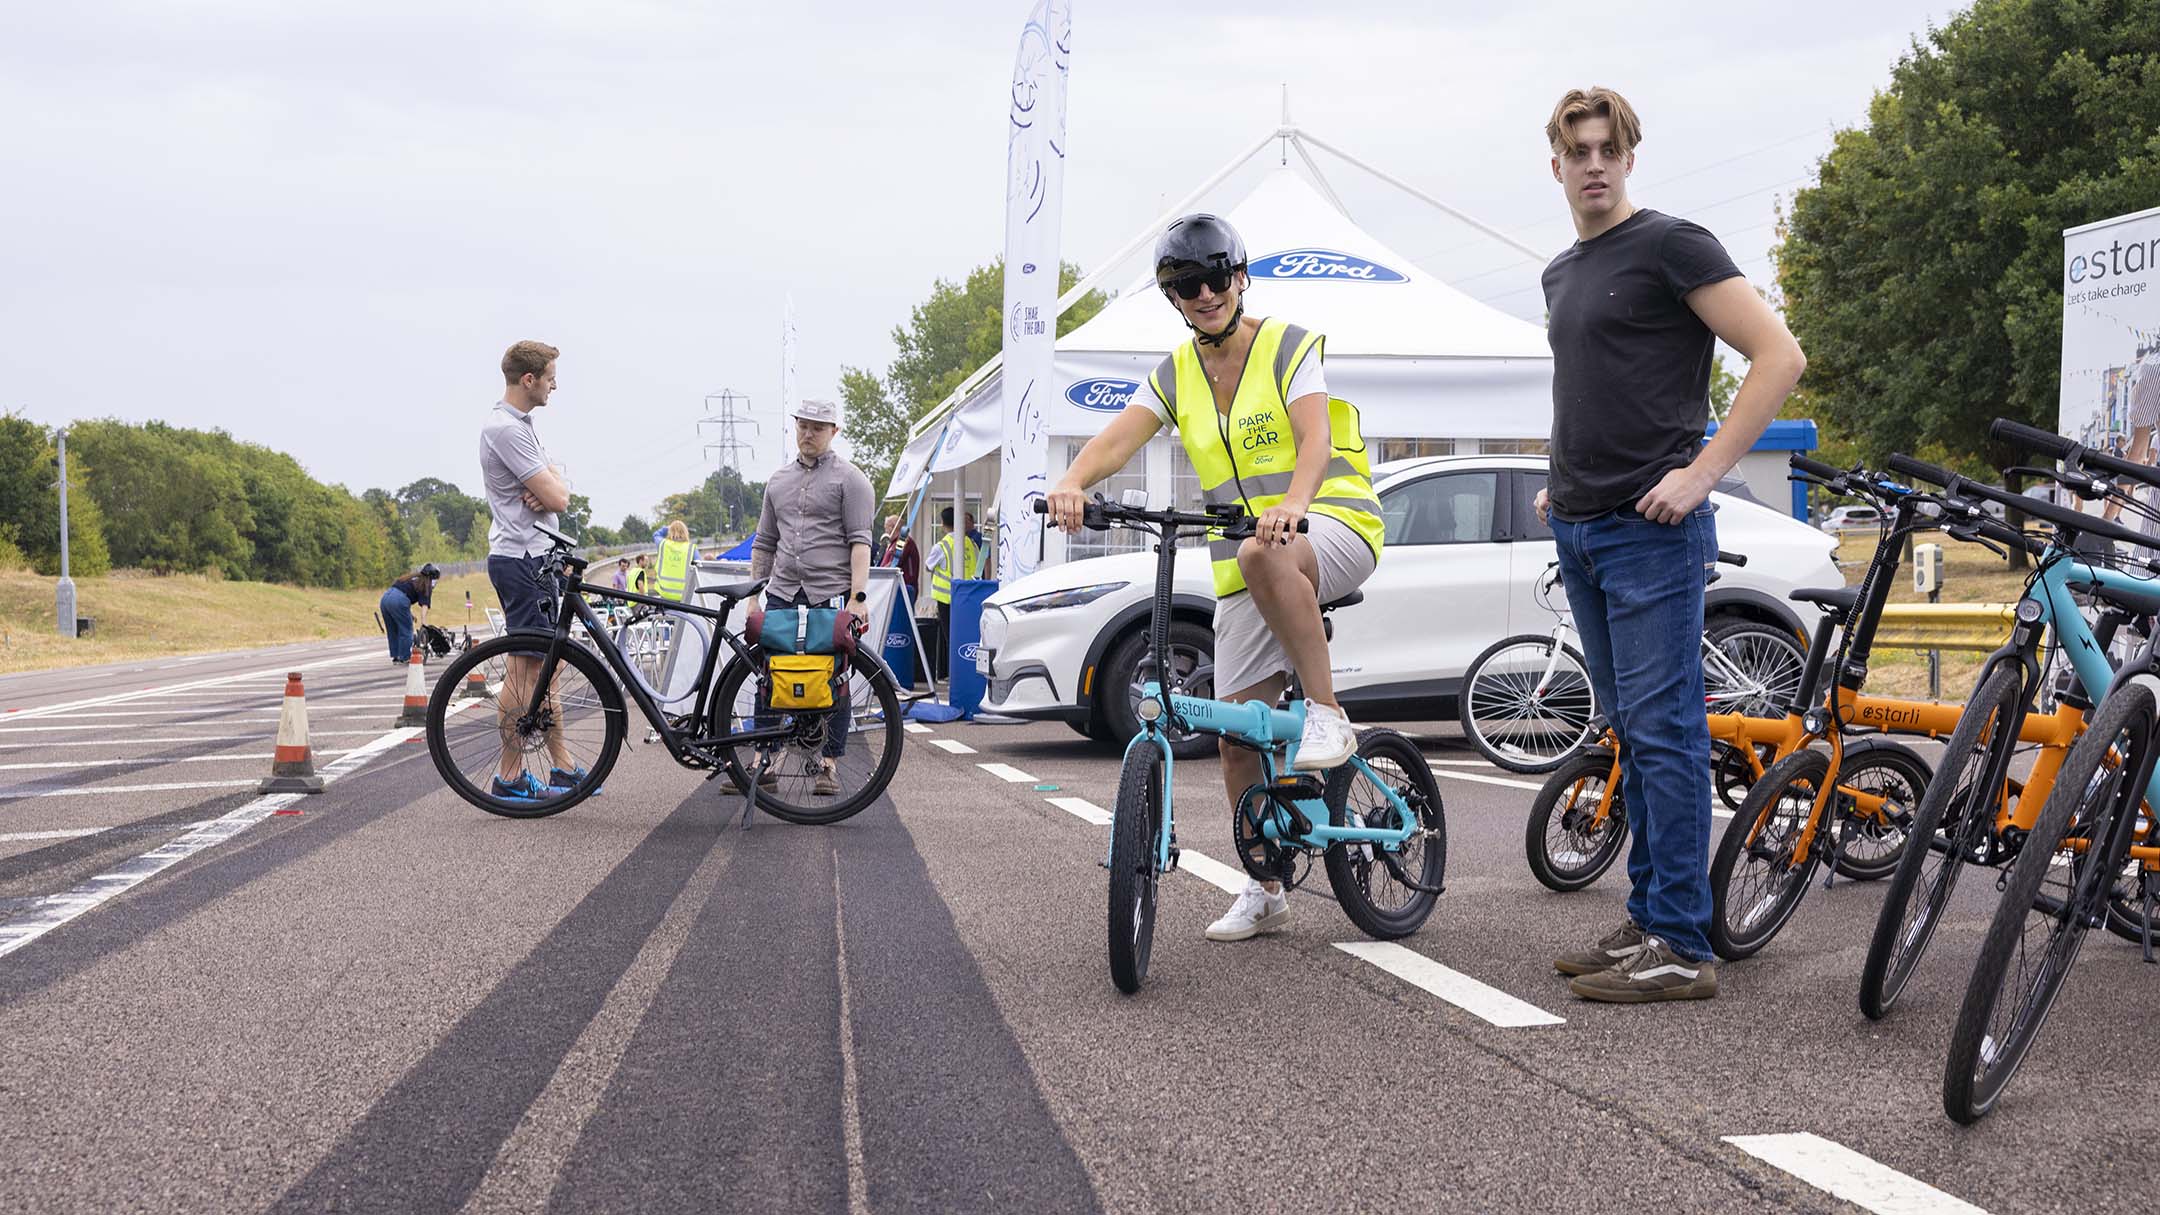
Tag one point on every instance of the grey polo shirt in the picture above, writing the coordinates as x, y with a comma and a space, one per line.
510, 451
813, 514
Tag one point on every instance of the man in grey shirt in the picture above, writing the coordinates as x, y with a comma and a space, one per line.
813, 539
524, 492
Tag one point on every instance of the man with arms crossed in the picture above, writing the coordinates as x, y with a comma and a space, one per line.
813, 539
525, 490
1636, 305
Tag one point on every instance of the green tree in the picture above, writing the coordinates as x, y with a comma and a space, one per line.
30, 504
577, 519
877, 427
167, 507
958, 329
633, 529
1922, 272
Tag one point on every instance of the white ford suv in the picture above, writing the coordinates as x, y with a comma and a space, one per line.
1464, 550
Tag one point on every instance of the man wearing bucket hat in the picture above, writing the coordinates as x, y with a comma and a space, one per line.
813, 540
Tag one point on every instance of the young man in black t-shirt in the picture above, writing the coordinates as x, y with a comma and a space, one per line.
1635, 307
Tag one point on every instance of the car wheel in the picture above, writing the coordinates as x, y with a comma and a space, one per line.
1117, 685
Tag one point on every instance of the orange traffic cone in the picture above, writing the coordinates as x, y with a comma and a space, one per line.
476, 686
416, 693
292, 765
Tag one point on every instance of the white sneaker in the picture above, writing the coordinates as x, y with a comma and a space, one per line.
1328, 741
1256, 911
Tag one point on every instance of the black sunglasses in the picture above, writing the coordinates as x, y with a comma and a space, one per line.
1187, 286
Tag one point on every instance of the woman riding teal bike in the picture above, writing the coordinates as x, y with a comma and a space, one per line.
1248, 397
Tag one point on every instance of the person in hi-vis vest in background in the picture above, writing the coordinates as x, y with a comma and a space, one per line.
1248, 398
954, 556
672, 579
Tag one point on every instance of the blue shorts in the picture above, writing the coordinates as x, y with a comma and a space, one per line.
525, 592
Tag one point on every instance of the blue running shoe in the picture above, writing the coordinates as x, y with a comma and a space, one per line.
523, 789
562, 782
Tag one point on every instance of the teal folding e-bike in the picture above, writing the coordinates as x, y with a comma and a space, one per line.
1376, 821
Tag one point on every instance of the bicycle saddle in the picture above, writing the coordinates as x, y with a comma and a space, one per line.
735, 591
1839, 599
1354, 597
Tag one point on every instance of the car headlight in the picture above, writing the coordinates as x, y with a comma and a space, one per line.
1075, 597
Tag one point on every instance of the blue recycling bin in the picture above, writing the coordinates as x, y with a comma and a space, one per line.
968, 686
900, 639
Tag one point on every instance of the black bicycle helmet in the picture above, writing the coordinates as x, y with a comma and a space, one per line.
431, 570
1196, 244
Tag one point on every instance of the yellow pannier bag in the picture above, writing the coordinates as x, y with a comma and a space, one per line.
801, 681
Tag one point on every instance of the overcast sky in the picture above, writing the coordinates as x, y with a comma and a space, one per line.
318, 226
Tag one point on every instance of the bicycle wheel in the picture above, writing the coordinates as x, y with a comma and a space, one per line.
2048, 903
1755, 883
1369, 889
578, 724
1567, 847
1877, 793
1525, 708
1751, 669
1960, 805
868, 751
1135, 852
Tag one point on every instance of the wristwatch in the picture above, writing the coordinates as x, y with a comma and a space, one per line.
862, 597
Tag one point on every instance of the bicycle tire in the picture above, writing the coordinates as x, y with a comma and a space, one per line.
1353, 871
1960, 803
1772, 659
2085, 800
1578, 780
449, 687
1494, 703
740, 762
1912, 775
1765, 829
1135, 829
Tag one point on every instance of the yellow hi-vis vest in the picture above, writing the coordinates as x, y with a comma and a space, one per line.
957, 548
1249, 455
674, 568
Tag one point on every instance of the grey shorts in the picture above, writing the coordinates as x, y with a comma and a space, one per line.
1246, 650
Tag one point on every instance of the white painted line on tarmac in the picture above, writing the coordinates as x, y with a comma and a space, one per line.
312, 716
72, 833
1082, 809
1838, 1170
44, 915
113, 790
1462, 763
1483, 779
1478, 999
1212, 871
1008, 773
113, 763
952, 745
172, 725
140, 693
914, 727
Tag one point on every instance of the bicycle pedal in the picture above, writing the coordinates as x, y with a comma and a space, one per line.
1172, 867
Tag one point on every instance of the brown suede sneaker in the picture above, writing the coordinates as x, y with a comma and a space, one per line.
1617, 947
1655, 973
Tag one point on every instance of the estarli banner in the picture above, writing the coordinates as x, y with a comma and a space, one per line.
2111, 336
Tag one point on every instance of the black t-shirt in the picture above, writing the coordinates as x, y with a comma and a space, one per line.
1631, 361
419, 590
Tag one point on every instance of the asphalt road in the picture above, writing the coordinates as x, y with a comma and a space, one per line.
392, 1001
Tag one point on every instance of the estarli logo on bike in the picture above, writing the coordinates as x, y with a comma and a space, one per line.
1323, 264
1102, 395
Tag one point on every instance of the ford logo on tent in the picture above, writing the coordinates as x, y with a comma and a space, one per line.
1323, 264
1102, 395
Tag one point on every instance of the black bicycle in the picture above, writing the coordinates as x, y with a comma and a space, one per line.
555, 708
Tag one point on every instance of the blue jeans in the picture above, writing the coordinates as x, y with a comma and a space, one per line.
397, 621
1636, 588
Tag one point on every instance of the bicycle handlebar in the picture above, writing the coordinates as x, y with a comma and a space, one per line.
2069, 520
1815, 468
1230, 518
2070, 452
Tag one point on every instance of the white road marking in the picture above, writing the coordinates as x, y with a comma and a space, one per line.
44, 915
384, 708
1462, 763
952, 745
1838, 1170
1478, 999
914, 727
70, 833
172, 725
1082, 809
1212, 871
110, 763
1483, 779
1006, 772
111, 790
140, 693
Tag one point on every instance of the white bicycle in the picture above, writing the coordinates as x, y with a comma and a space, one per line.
1527, 702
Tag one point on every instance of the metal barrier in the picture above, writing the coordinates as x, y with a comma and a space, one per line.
1945, 626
